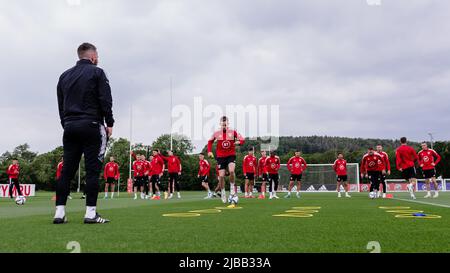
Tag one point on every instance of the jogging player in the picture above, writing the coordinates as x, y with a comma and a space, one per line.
227, 139
406, 158
384, 164
371, 169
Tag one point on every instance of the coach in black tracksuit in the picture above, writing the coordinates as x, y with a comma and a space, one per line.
85, 105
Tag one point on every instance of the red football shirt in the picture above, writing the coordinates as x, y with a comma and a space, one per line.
272, 164
204, 167
340, 167
157, 165
249, 164
384, 162
225, 142
262, 165
406, 156
370, 163
13, 171
428, 159
111, 170
139, 168
173, 164
296, 165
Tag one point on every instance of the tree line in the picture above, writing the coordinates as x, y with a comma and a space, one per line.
40, 169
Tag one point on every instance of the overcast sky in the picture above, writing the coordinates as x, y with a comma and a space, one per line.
338, 68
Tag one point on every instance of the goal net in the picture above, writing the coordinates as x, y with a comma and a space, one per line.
320, 178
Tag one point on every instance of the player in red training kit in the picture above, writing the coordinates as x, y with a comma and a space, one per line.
296, 166
273, 164
111, 175
340, 168
59, 168
406, 158
139, 175
157, 171
203, 173
428, 159
13, 172
174, 169
262, 173
227, 139
384, 164
371, 169
249, 165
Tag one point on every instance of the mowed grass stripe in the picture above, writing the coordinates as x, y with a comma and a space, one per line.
342, 225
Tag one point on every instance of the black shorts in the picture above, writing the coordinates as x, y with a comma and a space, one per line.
264, 177
173, 177
342, 178
249, 176
273, 177
155, 179
203, 179
139, 181
427, 174
409, 173
110, 180
223, 162
374, 176
296, 177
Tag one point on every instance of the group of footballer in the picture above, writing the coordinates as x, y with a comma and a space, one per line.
147, 174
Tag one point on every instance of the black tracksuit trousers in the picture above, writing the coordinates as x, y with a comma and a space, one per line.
88, 138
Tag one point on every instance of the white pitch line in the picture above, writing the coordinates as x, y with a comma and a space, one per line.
422, 202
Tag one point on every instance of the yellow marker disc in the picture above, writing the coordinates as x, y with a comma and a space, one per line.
294, 215
306, 208
220, 208
404, 211
430, 216
182, 214
394, 207
302, 211
206, 211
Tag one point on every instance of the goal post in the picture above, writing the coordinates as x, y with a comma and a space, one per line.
320, 178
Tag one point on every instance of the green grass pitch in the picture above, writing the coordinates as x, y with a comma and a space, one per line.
340, 225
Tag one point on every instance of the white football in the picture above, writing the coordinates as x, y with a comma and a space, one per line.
20, 200
233, 199
372, 195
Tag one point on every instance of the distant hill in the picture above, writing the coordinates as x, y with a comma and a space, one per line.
321, 144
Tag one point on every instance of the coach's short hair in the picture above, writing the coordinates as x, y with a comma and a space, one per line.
403, 140
224, 118
85, 47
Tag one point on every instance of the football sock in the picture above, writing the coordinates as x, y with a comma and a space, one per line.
106, 194
90, 212
112, 195
232, 188
60, 212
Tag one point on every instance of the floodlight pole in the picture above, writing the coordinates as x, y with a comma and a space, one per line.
431, 139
